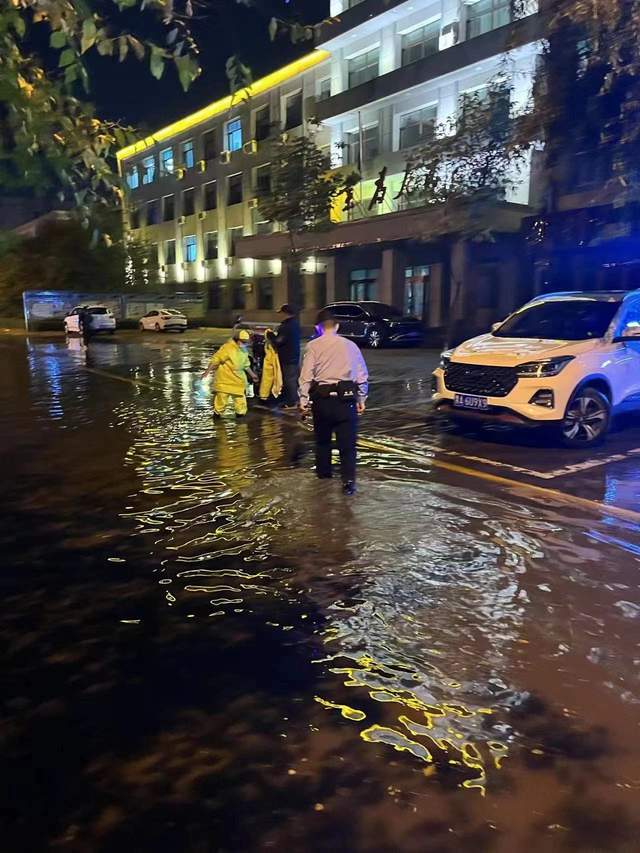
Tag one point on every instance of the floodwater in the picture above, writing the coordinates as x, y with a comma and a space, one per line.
206, 649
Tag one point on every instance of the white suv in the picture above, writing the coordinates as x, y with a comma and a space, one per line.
569, 360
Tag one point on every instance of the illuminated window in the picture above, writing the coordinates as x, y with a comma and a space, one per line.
416, 280
363, 286
233, 235
363, 68
168, 208
188, 202
210, 145
166, 162
169, 252
211, 245
293, 111
133, 178
234, 189
188, 154
262, 123
153, 212
421, 42
190, 249
234, 134
148, 170
416, 128
486, 15
210, 195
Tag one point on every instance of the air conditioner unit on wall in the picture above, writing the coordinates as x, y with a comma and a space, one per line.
449, 35
225, 156
250, 147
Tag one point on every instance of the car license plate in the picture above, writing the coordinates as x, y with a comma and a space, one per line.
469, 401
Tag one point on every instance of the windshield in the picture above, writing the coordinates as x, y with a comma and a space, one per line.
573, 320
170, 312
98, 309
379, 309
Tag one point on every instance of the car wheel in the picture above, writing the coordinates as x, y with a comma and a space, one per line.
587, 418
158, 329
375, 338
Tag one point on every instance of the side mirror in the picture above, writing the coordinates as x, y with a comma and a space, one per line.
496, 326
631, 332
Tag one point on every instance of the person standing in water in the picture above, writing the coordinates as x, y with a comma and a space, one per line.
232, 367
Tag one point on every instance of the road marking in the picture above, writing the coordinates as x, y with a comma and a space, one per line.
127, 379
540, 491
371, 444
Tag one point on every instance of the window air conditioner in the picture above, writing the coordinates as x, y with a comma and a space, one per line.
250, 147
225, 156
449, 35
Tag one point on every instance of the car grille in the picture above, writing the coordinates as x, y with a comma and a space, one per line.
480, 379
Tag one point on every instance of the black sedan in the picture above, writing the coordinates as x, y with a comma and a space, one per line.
376, 324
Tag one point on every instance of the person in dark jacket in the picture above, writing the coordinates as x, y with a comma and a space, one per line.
287, 343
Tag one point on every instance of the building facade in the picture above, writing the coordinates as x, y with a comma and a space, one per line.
383, 76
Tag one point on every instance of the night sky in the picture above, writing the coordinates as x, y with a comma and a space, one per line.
127, 92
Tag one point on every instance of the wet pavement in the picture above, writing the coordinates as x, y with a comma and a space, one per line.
205, 649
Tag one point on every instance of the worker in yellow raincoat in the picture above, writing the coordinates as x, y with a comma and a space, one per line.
232, 367
271, 379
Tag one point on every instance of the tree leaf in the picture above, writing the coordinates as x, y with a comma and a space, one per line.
123, 48
137, 47
156, 63
105, 47
19, 25
58, 39
67, 57
89, 33
172, 36
273, 28
188, 70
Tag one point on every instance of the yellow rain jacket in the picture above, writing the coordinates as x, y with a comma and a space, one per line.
230, 364
271, 379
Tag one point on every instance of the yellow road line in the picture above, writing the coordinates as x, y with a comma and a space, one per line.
539, 491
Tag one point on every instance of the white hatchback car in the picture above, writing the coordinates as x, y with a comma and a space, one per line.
163, 320
569, 360
100, 318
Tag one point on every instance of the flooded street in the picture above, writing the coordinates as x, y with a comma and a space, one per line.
206, 649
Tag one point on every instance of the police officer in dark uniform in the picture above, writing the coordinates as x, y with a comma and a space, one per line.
334, 378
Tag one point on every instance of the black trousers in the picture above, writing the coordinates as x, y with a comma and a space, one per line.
290, 373
332, 415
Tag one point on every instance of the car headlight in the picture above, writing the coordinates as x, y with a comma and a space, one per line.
445, 358
542, 369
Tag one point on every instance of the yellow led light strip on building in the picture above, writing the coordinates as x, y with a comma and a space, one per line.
224, 104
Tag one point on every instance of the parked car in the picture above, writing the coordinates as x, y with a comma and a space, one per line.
163, 320
376, 324
567, 360
101, 319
